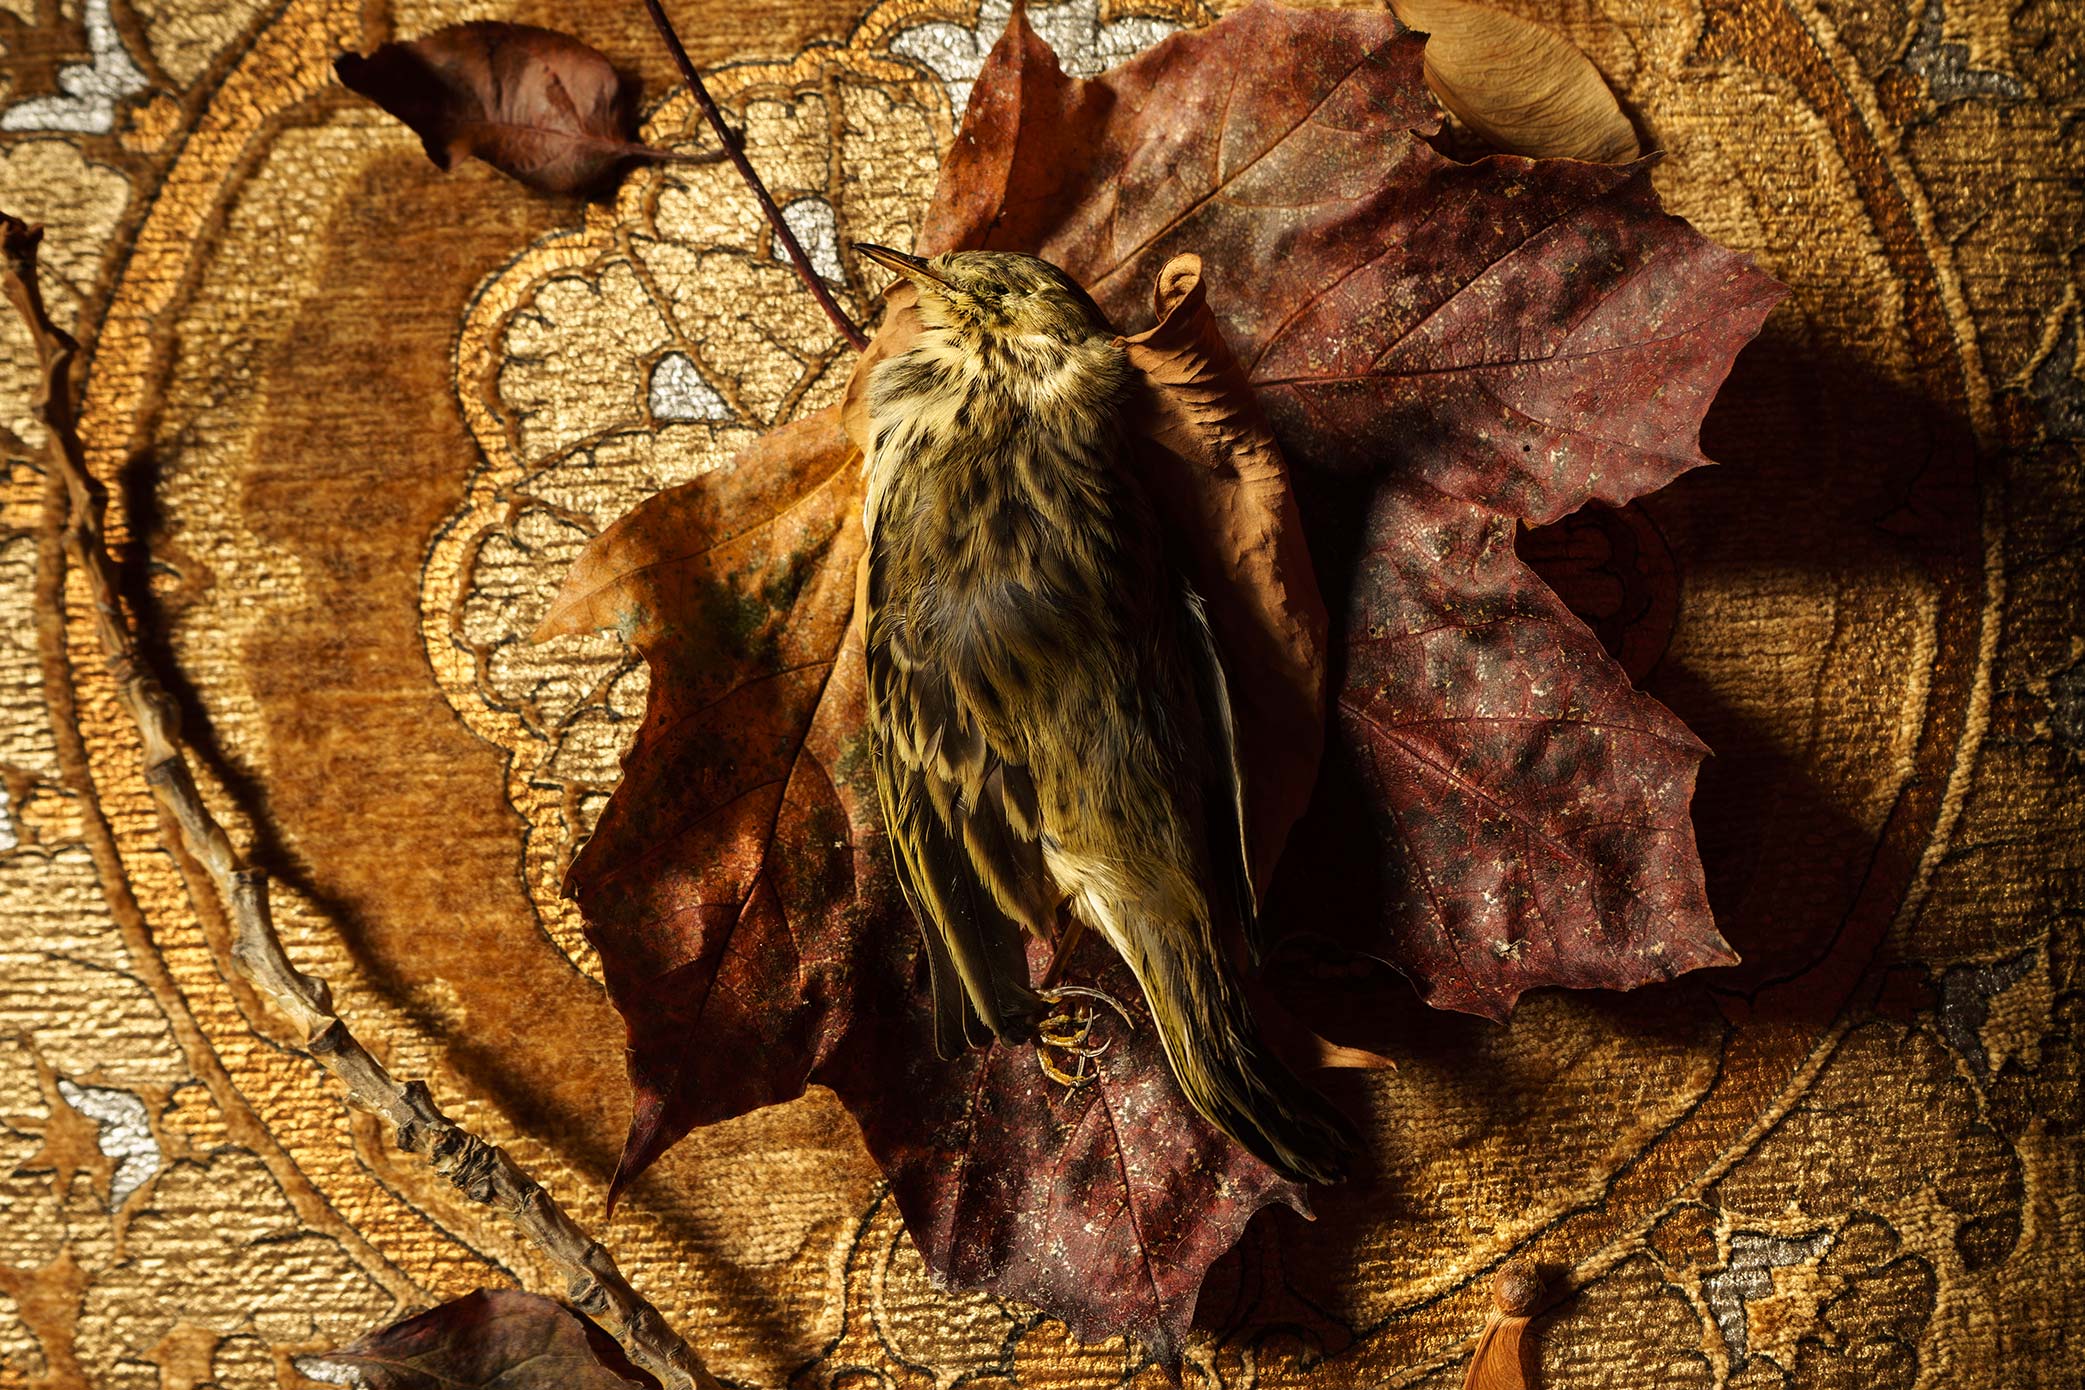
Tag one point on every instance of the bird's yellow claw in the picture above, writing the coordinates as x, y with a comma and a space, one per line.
1069, 1032
1070, 1081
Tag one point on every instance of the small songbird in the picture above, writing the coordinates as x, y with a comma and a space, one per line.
1048, 718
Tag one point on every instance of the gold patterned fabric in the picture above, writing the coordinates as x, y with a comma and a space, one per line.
358, 416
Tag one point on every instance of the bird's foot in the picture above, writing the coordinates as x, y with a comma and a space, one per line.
1071, 1080
1100, 996
1070, 1031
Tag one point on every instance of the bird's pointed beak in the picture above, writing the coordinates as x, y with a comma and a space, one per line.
911, 267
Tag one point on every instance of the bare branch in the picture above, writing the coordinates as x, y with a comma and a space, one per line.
482, 1172
734, 148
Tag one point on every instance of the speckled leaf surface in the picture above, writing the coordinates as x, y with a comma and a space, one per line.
1452, 349
1103, 1206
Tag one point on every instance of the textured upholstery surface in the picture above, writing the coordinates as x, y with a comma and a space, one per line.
358, 416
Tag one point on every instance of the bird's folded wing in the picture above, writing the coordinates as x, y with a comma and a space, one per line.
964, 832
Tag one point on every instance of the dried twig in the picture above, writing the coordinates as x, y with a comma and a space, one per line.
482, 1172
735, 149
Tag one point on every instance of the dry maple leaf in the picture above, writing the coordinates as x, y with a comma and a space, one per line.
1476, 344
740, 891
724, 885
1104, 1206
494, 1339
1441, 349
535, 104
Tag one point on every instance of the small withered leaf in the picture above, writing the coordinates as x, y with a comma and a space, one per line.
1520, 86
539, 106
494, 1339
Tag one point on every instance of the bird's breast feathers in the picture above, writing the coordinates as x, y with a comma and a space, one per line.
948, 408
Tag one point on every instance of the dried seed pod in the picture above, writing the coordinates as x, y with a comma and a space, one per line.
1501, 1360
1517, 1289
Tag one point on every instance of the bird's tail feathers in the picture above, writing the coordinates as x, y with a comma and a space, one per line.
1227, 1070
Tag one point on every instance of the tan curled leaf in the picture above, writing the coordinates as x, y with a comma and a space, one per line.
1211, 463
1520, 86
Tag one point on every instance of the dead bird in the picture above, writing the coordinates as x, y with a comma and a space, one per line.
1048, 717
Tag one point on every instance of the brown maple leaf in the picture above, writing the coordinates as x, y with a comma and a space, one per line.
1441, 350
1104, 1206
724, 885
740, 891
537, 105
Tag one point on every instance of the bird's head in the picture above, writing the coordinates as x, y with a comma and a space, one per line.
996, 294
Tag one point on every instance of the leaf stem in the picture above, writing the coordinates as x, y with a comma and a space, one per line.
732, 147
481, 1171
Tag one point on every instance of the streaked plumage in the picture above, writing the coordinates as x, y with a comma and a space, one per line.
1048, 717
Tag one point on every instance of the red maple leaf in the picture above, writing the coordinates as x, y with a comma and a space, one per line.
1443, 350
1482, 343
